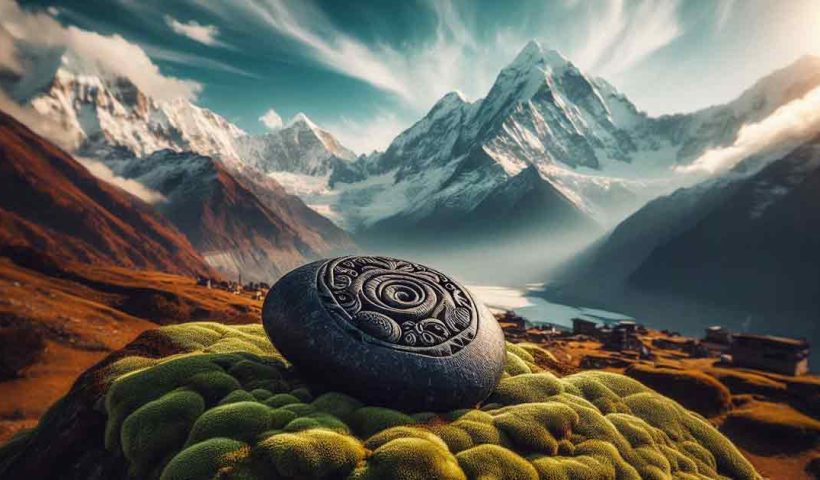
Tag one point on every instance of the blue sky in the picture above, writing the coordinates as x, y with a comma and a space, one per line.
366, 70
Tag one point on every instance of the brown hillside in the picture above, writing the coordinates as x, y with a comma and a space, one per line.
57, 319
51, 203
242, 223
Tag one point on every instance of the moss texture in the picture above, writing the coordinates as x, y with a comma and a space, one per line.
231, 407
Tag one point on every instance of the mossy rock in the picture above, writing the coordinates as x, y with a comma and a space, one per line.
410, 458
492, 462
310, 454
156, 429
257, 420
242, 421
386, 436
529, 387
237, 396
281, 400
369, 420
317, 420
337, 404
203, 461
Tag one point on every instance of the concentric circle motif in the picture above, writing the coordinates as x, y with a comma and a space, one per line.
398, 304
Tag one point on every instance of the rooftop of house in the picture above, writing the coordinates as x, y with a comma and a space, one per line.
797, 343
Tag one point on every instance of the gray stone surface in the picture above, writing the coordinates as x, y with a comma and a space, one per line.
387, 331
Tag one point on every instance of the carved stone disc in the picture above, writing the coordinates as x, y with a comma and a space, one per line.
388, 331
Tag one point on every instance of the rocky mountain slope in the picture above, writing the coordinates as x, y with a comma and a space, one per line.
258, 235
49, 202
743, 247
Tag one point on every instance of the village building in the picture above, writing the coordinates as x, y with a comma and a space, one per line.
717, 340
788, 356
623, 336
582, 326
718, 334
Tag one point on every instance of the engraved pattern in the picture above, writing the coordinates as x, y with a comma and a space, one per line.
398, 304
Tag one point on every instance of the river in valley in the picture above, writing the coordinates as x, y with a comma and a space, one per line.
526, 303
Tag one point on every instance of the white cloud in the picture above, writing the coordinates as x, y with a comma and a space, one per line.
8, 53
205, 34
620, 36
40, 124
133, 187
182, 58
56, 133
110, 54
375, 133
331, 47
794, 122
723, 12
271, 119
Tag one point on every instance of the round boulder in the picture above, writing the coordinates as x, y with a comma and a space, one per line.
388, 331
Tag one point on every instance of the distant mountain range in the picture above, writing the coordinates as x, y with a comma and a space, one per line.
578, 150
550, 155
242, 221
49, 202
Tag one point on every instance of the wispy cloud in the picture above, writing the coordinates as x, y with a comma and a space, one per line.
723, 12
182, 58
8, 53
418, 75
42, 125
271, 120
309, 26
796, 121
205, 34
620, 35
57, 133
108, 52
95, 51
135, 188
364, 136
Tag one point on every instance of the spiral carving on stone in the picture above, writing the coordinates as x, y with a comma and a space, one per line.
399, 304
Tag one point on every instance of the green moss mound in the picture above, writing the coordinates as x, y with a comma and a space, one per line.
231, 407
314, 454
492, 462
204, 460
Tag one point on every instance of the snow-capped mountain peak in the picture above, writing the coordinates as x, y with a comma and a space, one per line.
302, 120
301, 147
101, 110
533, 54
